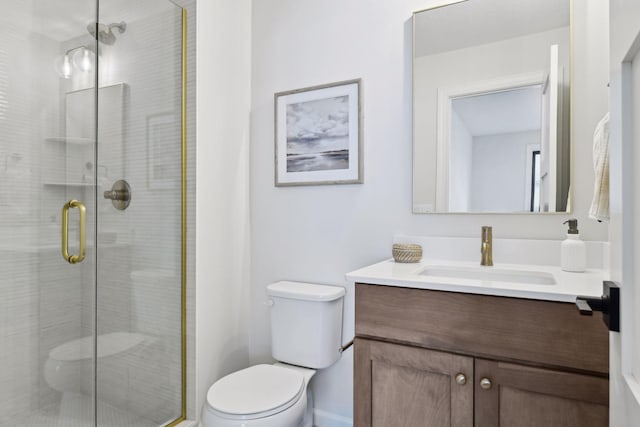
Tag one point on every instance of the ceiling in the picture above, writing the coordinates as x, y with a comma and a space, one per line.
475, 22
515, 110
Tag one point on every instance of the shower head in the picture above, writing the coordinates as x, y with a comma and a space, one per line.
104, 33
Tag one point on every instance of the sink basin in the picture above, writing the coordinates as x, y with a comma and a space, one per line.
490, 274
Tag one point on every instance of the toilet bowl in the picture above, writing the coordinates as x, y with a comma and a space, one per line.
261, 396
306, 327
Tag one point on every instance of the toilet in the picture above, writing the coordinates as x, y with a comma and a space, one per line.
70, 366
306, 333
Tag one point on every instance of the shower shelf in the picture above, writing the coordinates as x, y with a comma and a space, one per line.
70, 140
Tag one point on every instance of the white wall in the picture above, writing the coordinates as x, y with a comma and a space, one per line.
222, 254
499, 171
319, 233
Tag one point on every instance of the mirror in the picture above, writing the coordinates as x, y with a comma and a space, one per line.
491, 113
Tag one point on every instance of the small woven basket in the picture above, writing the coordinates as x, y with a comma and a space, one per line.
407, 252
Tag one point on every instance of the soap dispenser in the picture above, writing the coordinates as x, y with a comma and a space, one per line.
574, 251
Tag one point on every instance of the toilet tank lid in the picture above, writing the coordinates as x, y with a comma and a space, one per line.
305, 291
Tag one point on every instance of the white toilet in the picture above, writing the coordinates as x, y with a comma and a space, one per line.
306, 329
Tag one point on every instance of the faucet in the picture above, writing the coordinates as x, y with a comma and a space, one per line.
486, 247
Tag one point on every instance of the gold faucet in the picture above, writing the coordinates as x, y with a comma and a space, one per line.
486, 248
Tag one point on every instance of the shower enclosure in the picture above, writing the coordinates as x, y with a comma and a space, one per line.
92, 213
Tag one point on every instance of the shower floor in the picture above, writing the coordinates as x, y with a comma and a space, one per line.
108, 416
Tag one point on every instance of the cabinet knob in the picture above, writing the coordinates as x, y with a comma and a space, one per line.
461, 379
485, 383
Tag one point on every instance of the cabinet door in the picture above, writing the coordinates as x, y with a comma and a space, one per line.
519, 396
401, 386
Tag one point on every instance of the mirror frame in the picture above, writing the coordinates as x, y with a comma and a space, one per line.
571, 193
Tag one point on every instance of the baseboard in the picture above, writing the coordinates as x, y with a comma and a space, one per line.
327, 419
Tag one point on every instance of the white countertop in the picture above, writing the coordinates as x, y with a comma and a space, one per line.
568, 285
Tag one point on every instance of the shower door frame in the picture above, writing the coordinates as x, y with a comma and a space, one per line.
183, 225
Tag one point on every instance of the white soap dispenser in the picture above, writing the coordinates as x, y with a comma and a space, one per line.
574, 251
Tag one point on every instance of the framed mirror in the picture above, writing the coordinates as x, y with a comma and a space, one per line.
491, 107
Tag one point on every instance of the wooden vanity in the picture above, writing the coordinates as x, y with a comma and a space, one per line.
437, 358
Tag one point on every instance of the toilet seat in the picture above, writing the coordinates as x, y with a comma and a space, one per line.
107, 345
256, 392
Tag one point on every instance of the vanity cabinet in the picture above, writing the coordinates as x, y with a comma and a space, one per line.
431, 358
399, 385
509, 394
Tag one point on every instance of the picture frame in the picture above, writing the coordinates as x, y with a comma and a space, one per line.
162, 134
318, 135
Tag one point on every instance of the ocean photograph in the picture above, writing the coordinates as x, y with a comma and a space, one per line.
318, 135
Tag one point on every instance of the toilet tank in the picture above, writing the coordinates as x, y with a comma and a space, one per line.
306, 323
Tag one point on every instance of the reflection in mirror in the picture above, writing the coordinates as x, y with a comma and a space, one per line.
491, 107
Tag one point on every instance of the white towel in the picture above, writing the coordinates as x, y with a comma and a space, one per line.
600, 204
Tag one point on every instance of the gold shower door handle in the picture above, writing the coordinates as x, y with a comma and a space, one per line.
74, 204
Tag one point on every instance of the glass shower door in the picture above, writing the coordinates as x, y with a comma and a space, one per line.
47, 213
92, 213
140, 228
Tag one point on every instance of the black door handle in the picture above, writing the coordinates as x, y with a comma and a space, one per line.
587, 305
608, 304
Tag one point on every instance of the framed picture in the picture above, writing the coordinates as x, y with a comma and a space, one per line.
163, 142
318, 135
